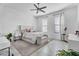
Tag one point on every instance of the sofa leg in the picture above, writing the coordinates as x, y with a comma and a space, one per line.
36, 42
8, 51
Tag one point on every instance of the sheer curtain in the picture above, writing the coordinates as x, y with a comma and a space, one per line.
57, 19
62, 23
59, 23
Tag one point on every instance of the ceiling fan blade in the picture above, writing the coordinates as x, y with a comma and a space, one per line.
43, 7
38, 3
35, 5
42, 10
37, 11
38, 8
33, 9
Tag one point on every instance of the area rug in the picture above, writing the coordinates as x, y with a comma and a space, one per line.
26, 48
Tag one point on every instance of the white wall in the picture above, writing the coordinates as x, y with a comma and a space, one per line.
70, 21
13, 14
10, 18
50, 27
78, 17
70, 16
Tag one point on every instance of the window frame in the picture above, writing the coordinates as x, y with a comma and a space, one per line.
57, 25
44, 26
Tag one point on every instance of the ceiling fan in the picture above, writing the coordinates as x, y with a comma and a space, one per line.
38, 8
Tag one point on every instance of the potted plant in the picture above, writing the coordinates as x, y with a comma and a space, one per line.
68, 52
8, 36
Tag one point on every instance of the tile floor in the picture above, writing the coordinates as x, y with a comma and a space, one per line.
49, 49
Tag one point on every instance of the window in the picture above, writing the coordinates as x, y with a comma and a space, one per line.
44, 25
57, 23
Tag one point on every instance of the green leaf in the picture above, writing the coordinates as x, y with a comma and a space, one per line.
69, 52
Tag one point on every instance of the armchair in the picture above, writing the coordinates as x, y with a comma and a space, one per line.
17, 35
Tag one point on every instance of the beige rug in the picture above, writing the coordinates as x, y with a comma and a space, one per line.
26, 48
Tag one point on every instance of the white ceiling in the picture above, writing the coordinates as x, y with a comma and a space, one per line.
25, 7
